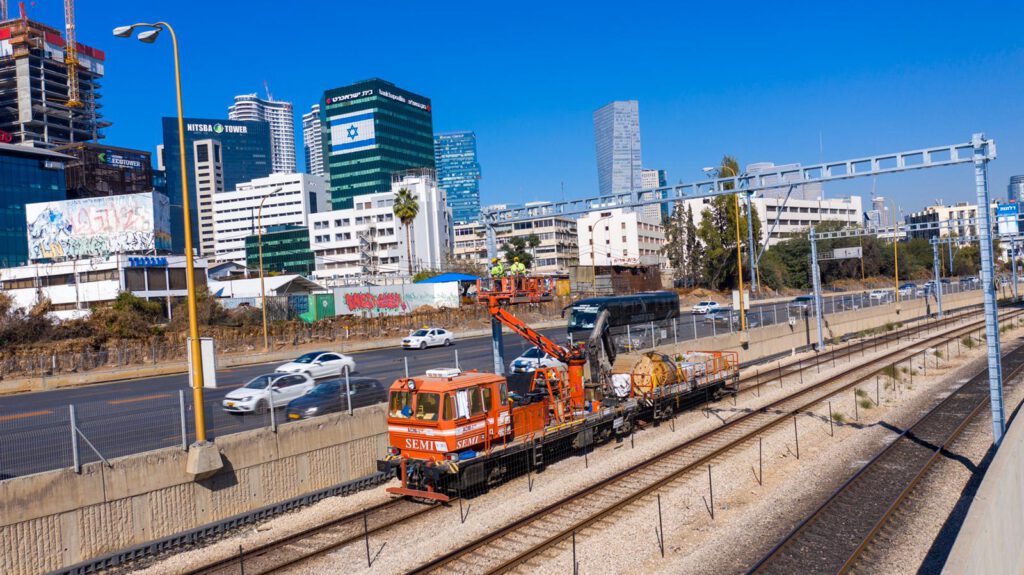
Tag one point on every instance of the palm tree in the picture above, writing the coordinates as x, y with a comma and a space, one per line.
406, 207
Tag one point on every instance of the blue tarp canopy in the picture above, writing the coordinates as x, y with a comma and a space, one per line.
449, 277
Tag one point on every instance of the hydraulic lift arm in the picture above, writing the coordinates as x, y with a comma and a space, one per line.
531, 335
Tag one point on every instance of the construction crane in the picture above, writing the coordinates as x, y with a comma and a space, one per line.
3, 10
71, 55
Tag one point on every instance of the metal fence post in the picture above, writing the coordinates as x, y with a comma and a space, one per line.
629, 337
184, 430
273, 415
675, 331
456, 360
654, 340
74, 439
694, 318
348, 392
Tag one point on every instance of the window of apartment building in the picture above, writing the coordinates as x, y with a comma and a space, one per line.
135, 279
157, 278
20, 283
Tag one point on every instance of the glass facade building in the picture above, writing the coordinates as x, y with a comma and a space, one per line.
27, 175
617, 142
458, 173
373, 129
245, 156
285, 251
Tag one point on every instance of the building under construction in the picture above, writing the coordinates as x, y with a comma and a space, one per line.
40, 104
100, 170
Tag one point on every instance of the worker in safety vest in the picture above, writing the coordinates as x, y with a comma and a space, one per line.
518, 268
497, 271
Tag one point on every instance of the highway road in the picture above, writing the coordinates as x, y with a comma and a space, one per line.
128, 417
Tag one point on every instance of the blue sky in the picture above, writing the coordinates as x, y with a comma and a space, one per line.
795, 83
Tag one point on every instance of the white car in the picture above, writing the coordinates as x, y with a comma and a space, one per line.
879, 295
428, 337
263, 391
320, 364
532, 359
703, 307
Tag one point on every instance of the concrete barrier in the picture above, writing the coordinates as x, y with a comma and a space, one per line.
989, 542
58, 518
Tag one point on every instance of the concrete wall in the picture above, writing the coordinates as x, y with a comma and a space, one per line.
59, 518
989, 542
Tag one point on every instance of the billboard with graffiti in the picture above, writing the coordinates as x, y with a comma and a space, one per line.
393, 300
98, 227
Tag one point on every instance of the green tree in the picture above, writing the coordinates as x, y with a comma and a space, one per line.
128, 317
718, 231
406, 208
967, 261
522, 248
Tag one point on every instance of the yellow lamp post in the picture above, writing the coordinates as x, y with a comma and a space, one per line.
739, 252
204, 459
263, 289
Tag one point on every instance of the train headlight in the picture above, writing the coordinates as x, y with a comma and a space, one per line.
394, 451
412, 384
451, 456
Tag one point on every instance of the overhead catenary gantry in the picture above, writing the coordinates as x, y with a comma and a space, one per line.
977, 151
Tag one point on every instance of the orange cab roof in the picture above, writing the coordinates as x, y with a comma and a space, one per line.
464, 379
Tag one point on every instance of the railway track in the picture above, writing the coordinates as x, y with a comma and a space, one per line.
315, 541
517, 543
835, 535
302, 546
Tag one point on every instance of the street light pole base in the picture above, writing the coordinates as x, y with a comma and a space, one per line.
203, 460
744, 337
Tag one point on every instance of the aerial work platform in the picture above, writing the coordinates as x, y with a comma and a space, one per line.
515, 289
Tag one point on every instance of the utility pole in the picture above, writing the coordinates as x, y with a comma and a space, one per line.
938, 276
497, 337
816, 282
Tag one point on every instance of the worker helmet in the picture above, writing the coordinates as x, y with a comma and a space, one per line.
516, 258
494, 260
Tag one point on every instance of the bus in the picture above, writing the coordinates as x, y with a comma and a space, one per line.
640, 308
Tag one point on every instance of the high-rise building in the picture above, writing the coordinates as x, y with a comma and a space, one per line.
34, 89
373, 130
250, 107
287, 199
220, 154
458, 172
649, 180
617, 140
1016, 189
27, 175
313, 141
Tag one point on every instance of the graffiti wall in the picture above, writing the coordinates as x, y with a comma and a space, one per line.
394, 300
98, 227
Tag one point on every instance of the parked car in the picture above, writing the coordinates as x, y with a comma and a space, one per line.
801, 303
319, 364
532, 359
428, 337
969, 282
704, 307
880, 295
329, 397
723, 316
907, 289
263, 391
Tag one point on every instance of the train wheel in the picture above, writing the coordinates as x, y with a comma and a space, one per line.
496, 476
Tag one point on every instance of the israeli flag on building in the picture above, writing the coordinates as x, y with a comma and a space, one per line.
352, 133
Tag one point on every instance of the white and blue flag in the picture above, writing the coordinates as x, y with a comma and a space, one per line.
352, 133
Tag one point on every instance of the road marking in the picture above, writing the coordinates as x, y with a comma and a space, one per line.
24, 415
138, 399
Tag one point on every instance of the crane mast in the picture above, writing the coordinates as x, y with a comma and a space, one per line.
71, 55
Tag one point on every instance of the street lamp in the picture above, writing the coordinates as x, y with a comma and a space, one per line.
203, 457
739, 252
263, 289
896, 253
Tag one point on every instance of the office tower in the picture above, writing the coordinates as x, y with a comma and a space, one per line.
313, 141
34, 92
242, 154
249, 107
1016, 189
373, 130
617, 141
99, 170
458, 173
27, 175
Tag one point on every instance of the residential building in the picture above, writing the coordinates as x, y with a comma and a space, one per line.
782, 219
373, 129
1015, 190
313, 141
367, 240
34, 93
951, 218
458, 172
26, 175
75, 286
789, 174
99, 170
287, 200
241, 154
649, 180
252, 108
617, 141
556, 253
285, 251
616, 237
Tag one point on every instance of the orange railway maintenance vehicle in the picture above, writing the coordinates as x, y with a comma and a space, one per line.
450, 431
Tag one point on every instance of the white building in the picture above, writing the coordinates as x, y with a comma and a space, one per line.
282, 127
615, 237
208, 172
236, 213
312, 141
556, 253
808, 191
798, 215
73, 287
368, 240
649, 180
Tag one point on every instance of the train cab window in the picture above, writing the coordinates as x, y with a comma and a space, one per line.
476, 403
428, 406
400, 404
504, 394
449, 408
487, 398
